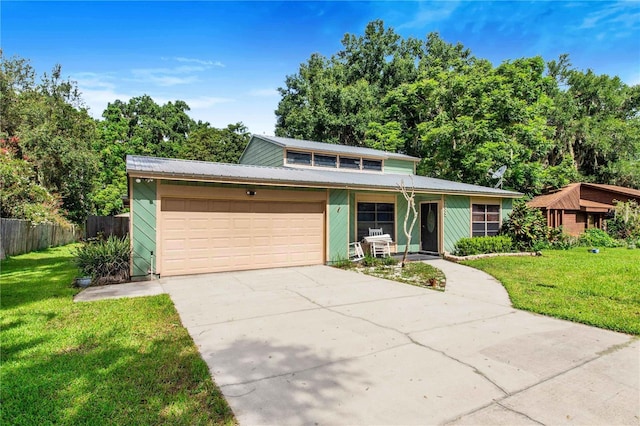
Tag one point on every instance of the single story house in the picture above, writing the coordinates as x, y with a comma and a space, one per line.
580, 206
292, 202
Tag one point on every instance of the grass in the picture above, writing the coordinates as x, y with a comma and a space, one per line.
125, 361
601, 289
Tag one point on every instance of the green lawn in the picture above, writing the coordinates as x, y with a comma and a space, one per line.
126, 361
598, 289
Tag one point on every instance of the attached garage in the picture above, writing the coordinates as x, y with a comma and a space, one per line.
274, 228
195, 217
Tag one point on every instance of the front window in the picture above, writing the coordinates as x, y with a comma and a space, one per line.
349, 163
376, 215
295, 157
372, 165
485, 220
324, 160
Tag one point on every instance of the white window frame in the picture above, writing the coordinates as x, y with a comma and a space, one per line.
486, 222
338, 158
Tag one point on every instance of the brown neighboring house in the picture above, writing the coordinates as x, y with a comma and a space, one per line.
581, 206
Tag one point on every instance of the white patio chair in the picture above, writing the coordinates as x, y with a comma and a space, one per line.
381, 248
375, 232
355, 252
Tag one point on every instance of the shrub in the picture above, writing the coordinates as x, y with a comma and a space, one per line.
626, 221
527, 227
558, 240
105, 261
389, 261
342, 263
481, 245
370, 261
595, 237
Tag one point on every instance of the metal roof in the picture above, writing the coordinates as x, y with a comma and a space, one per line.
167, 168
334, 148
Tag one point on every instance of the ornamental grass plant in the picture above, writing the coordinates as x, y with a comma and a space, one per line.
106, 261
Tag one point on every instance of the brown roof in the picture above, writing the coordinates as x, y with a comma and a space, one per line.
630, 192
569, 197
594, 206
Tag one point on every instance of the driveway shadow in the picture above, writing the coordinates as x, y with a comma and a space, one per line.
282, 383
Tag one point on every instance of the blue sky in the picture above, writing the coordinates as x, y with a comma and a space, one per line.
226, 58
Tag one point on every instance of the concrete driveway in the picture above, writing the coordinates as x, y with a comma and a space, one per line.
321, 346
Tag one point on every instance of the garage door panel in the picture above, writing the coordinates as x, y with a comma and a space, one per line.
171, 222
197, 222
218, 235
174, 244
241, 224
199, 244
174, 204
198, 205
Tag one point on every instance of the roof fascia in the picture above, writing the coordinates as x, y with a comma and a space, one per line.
171, 176
616, 191
266, 139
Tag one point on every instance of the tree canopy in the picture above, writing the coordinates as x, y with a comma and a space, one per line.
57, 163
549, 123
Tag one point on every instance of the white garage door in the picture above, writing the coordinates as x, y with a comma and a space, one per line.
200, 236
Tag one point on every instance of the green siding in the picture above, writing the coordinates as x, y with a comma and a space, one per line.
401, 210
401, 238
262, 153
338, 224
507, 207
457, 220
398, 166
144, 226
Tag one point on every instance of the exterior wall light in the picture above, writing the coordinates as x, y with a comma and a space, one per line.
251, 193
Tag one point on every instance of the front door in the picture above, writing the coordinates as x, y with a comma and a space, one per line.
429, 227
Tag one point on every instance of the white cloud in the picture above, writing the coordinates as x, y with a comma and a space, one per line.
94, 80
163, 76
201, 102
199, 61
174, 76
98, 98
430, 12
168, 76
97, 91
264, 92
618, 16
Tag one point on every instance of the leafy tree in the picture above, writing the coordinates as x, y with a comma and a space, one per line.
221, 145
550, 124
53, 130
334, 100
142, 127
626, 221
21, 197
597, 125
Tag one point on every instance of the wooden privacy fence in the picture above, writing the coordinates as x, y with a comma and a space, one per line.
19, 236
107, 225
